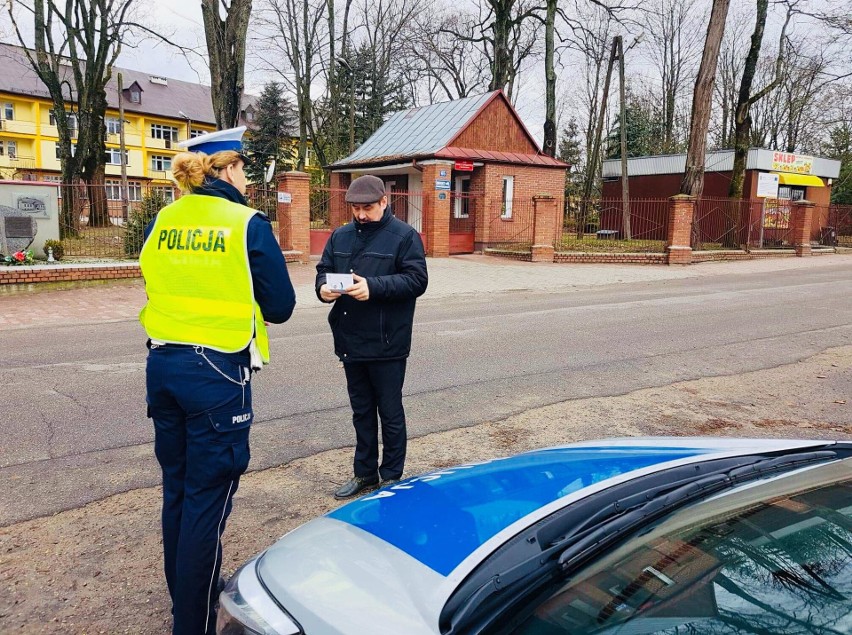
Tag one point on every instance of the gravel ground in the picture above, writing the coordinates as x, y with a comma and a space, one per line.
97, 569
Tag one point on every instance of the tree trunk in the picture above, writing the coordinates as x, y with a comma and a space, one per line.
702, 100
550, 78
226, 49
501, 66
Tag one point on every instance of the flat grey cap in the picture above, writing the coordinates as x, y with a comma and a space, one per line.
365, 189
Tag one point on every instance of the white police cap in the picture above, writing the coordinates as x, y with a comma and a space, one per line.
212, 142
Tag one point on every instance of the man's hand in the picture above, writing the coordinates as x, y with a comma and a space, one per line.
328, 294
360, 290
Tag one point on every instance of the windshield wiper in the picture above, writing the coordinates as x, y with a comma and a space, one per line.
610, 532
610, 524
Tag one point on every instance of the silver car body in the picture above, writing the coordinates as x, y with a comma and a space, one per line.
340, 575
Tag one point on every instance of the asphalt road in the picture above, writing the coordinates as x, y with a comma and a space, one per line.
72, 410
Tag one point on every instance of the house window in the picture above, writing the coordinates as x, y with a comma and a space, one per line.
508, 193
161, 163
159, 131
8, 111
168, 193
135, 97
2, 149
113, 125
51, 178
195, 132
309, 155
462, 202
112, 156
12, 149
113, 190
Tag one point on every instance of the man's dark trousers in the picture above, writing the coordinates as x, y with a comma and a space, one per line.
376, 387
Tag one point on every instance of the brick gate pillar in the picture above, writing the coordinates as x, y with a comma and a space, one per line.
436, 209
338, 214
544, 227
801, 217
294, 213
678, 242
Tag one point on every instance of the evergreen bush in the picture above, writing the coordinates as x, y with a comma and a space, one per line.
144, 212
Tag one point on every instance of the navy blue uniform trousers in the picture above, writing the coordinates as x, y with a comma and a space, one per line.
376, 388
200, 402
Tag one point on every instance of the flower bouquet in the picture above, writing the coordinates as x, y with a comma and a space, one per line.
18, 258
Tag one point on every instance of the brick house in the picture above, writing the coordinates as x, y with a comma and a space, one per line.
463, 173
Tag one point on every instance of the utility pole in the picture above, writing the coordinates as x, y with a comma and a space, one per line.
625, 188
594, 159
125, 194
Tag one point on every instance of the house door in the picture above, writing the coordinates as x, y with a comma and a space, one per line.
462, 217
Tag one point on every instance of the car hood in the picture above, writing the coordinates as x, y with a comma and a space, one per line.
387, 562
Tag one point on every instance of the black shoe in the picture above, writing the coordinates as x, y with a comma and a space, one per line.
355, 486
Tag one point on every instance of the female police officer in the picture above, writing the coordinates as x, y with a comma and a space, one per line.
213, 273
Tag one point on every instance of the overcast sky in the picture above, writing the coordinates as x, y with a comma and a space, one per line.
182, 23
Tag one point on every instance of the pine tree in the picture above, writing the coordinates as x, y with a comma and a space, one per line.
571, 151
274, 124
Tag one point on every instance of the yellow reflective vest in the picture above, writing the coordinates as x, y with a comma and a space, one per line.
197, 277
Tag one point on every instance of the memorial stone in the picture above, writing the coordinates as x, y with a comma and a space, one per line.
17, 230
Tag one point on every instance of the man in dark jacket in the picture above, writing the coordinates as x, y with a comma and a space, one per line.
371, 321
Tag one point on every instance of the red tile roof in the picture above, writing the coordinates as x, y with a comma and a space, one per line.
473, 154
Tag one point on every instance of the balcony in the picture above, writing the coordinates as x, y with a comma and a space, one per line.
17, 163
18, 127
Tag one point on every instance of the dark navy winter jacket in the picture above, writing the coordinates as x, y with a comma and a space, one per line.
389, 254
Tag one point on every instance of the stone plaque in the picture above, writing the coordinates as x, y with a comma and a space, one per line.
17, 230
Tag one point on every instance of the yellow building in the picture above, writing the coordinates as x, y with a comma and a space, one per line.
158, 113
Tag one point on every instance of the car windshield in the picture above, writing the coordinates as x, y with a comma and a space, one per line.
760, 560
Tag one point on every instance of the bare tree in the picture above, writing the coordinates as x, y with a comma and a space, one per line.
672, 44
452, 67
76, 46
693, 179
745, 100
506, 32
226, 49
290, 30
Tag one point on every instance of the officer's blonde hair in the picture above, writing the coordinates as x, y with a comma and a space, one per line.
190, 168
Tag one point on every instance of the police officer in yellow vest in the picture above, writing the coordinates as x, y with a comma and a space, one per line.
214, 274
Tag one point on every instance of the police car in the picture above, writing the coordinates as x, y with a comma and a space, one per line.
627, 536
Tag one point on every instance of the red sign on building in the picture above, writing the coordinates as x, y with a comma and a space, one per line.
463, 166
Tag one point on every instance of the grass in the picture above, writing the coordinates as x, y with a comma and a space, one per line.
592, 244
103, 242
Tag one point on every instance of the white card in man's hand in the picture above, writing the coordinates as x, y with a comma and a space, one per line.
339, 281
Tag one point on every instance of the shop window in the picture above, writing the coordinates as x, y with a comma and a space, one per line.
508, 194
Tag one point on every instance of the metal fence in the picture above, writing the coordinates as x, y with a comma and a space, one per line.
837, 231
512, 229
601, 225
95, 223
